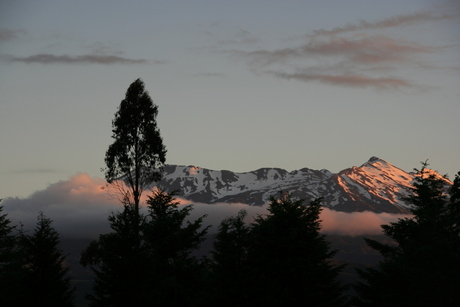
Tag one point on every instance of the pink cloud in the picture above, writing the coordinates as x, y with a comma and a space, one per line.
356, 223
366, 50
332, 222
395, 21
335, 58
79, 208
350, 80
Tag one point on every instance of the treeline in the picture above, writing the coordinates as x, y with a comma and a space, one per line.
32, 268
280, 259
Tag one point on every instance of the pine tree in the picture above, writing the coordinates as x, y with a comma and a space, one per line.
45, 280
230, 267
159, 269
120, 264
423, 267
7, 243
280, 260
11, 272
171, 239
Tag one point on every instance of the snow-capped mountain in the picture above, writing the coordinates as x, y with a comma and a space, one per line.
375, 186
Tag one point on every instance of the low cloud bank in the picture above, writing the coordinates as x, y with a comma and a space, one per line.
79, 208
356, 223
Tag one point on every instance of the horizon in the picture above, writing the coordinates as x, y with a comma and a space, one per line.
79, 208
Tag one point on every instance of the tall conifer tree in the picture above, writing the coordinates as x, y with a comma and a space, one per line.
11, 272
423, 268
159, 269
45, 280
286, 261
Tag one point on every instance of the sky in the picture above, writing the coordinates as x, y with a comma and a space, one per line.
240, 85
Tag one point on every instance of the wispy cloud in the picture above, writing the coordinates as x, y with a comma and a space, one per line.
348, 80
368, 50
355, 62
362, 59
395, 21
46, 58
9, 34
243, 37
240, 37
34, 171
209, 74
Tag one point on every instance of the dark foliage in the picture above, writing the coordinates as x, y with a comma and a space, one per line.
279, 260
230, 267
171, 239
154, 268
45, 270
10, 268
423, 269
137, 153
119, 263
32, 268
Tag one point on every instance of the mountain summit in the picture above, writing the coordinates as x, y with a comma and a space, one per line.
376, 186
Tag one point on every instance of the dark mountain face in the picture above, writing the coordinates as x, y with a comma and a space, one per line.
375, 186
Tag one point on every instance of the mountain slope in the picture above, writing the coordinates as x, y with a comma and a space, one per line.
376, 186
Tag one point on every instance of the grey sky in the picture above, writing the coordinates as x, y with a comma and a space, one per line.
239, 84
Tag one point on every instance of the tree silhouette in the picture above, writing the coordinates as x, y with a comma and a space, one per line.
7, 242
45, 280
285, 260
423, 268
137, 153
157, 270
11, 272
230, 267
172, 238
120, 264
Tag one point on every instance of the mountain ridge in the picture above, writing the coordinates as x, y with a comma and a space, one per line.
376, 186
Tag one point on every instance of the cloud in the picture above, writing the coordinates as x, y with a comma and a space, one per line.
332, 222
220, 211
332, 57
33, 171
209, 74
395, 21
241, 37
46, 58
356, 223
8, 34
349, 80
79, 209
368, 50
356, 62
